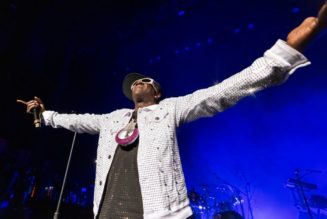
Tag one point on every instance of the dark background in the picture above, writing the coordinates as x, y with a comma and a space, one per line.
74, 55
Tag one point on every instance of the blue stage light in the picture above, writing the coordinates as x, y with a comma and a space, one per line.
181, 13
4, 204
296, 10
237, 30
210, 40
251, 26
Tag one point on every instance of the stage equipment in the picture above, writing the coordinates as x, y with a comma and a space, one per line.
197, 203
222, 201
228, 215
310, 204
56, 214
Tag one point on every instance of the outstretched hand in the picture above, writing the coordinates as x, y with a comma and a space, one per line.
32, 104
299, 37
322, 17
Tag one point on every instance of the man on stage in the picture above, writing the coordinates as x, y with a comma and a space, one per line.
138, 168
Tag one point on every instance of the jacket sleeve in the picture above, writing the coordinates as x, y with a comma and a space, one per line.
272, 69
81, 123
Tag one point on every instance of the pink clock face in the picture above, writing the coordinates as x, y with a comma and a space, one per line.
127, 136
125, 133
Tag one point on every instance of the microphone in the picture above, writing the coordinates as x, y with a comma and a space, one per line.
37, 120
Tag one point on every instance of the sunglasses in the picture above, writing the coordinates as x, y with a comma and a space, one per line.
145, 81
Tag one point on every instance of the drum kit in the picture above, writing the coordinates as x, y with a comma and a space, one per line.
222, 201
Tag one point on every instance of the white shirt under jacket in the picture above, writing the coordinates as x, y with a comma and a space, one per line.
161, 176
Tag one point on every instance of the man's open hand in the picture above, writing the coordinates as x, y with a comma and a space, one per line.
322, 17
299, 37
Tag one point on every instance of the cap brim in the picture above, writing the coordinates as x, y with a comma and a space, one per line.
128, 81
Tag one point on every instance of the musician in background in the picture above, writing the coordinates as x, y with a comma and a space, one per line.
138, 168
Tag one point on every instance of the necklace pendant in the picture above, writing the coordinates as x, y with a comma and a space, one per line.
127, 135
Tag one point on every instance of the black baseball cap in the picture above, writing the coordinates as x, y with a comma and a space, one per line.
130, 79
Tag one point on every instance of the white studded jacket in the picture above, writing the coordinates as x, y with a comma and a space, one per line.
161, 176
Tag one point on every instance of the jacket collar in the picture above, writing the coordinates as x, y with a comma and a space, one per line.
146, 109
150, 108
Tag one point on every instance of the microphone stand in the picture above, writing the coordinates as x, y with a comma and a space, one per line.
298, 177
247, 188
56, 214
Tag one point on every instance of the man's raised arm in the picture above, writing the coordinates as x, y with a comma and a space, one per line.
84, 123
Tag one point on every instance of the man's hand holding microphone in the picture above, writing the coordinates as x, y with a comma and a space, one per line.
35, 107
